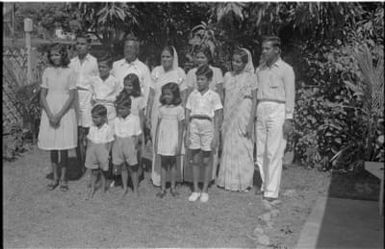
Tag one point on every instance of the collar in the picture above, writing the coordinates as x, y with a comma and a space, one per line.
133, 63
126, 118
86, 58
199, 93
277, 63
104, 126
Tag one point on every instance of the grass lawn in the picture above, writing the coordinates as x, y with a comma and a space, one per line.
36, 217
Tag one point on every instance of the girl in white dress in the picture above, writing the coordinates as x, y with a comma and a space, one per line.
58, 125
169, 135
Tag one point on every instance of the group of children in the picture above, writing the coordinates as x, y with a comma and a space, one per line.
116, 122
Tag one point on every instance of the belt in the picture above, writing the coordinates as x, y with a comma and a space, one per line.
271, 100
200, 117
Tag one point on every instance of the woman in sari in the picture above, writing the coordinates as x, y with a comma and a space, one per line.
240, 88
167, 72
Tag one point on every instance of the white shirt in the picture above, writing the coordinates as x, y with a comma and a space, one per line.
205, 104
101, 135
127, 127
277, 83
85, 70
122, 68
105, 91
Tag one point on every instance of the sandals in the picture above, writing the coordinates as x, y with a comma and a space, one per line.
52, 185
173, 192
63, 186
161, 194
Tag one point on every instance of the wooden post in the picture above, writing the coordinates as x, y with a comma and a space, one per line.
28, 27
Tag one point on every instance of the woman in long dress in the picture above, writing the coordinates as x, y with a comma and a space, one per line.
167, 72
237, 166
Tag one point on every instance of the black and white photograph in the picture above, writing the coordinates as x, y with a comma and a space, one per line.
193, 124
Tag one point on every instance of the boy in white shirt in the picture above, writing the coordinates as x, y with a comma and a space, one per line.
105, 88
125, 148
203, 106
99, 138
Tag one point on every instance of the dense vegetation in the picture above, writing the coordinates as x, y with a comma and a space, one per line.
335, 48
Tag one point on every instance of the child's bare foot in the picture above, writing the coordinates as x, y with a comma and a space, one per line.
90, 194
124, 193
136, 193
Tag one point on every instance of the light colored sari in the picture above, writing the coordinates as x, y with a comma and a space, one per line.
159, 79
237, 165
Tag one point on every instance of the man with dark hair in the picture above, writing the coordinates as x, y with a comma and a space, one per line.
275, 107
131, 64
85, 66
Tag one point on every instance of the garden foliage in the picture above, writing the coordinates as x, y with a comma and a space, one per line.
334, 48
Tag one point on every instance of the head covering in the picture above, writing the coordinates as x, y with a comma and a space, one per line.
249, 66
175, 63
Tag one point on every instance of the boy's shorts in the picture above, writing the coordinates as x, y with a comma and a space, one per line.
123, 150
97, 157
201, 134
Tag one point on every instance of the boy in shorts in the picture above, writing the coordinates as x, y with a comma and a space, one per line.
203, 107
100, 139
125, 148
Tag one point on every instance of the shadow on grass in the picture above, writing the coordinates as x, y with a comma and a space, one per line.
351, 216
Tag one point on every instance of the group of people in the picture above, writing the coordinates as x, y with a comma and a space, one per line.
102, 109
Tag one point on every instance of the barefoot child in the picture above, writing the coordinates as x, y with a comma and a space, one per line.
99, 138
58, 126
204, 110
125, 148
132, 89
169, 135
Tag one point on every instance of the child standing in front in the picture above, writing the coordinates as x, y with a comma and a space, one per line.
99, 138
131, 88
204, 109
58, 125
169, 135
124, 150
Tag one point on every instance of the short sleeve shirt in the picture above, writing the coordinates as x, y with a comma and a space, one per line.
106, 90
101, 135
205, 104
58, 79
84, 71
127, 127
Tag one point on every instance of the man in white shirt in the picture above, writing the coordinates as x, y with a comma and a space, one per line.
276, 93
131, 64
85, 66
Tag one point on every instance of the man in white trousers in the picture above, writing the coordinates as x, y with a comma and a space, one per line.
275, 107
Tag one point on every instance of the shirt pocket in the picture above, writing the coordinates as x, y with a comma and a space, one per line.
274, 81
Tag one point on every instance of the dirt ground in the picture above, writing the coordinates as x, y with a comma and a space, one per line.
36, 217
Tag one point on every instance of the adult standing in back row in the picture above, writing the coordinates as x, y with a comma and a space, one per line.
131, 64
275, 96
85, 67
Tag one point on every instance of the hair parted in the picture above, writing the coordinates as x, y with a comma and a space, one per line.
99, 110
174, 88
123, 100
65, 61
206, 71
84, 36
106, 59
134, 79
